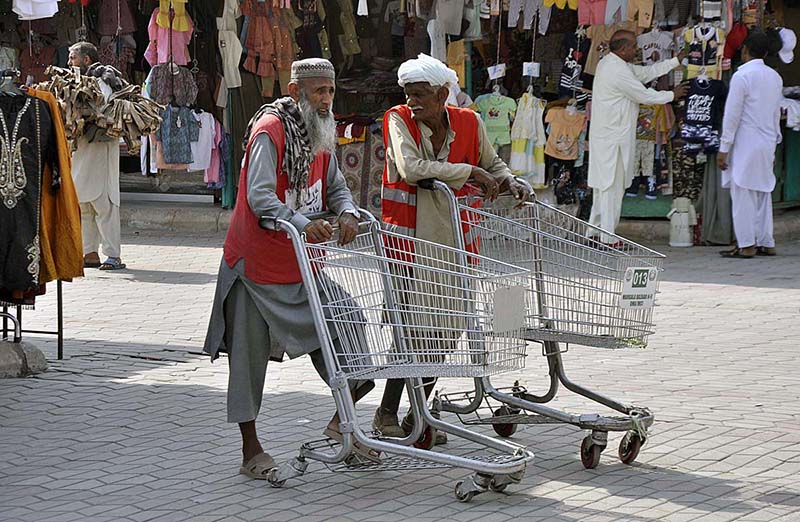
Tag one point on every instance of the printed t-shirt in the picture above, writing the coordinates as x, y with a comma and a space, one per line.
497, 112
600, 35
704, 103
644, 10
565, 128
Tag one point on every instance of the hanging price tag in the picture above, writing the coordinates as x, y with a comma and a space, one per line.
531, 69
497, 71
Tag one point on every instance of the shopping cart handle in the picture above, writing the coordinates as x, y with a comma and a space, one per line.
271, 223
441, 186
427, 183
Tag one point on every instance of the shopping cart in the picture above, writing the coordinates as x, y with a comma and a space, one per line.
587, 287
390, 306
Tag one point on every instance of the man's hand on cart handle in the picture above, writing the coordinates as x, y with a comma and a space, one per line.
486, 182
520, 190
319, 231
348, 228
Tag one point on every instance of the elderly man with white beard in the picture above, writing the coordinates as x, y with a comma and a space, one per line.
289, 169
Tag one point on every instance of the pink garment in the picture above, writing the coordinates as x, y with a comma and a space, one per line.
158, 50
592, 12
212, 173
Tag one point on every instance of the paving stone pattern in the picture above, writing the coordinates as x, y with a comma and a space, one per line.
130, 426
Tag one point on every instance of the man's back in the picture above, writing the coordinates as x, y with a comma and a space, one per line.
758, 88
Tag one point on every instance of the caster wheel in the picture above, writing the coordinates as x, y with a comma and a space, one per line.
590, 453
463, 496
272, 479
427, 440
497, 488
507, 429
629, 447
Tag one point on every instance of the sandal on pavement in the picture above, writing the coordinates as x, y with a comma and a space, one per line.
112, 263
258, 467
366, 453
737, 254
90, 262
766, 251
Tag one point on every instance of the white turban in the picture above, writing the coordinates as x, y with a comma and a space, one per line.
426, 69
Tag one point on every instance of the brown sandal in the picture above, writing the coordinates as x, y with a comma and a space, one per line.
736, 254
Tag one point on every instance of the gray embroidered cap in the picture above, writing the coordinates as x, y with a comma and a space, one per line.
312, 68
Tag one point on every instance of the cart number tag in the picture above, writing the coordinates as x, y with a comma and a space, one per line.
509, 308
639, 288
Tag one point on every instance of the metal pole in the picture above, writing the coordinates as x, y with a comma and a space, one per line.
60, 312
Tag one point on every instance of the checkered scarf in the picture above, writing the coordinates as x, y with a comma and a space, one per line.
297, 156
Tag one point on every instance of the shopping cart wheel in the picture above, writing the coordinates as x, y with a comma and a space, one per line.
629, 447
505, 429
463, 495
498, 487
272, 478
590, 453
427, 440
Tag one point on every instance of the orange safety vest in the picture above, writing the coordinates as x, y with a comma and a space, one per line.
399, 199
269, 256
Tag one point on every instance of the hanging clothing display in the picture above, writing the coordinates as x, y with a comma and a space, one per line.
27, 142
497, 112
705, 45
641, 11
703, 117
35, 9
205, 144
178, 130
166, 43
60, 229
565, 128
570, 85
528, 140
600, 35
529, 10
166, 84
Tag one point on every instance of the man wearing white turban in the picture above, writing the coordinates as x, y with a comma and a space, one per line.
427, 138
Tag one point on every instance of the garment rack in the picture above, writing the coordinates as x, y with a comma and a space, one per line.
18, 330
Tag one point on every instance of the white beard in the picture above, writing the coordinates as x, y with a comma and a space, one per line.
321, 129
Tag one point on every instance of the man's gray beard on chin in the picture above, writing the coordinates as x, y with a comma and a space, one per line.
321, 129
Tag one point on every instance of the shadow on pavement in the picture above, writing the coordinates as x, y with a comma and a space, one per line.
109, 436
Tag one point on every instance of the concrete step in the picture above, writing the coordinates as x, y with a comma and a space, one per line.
206, 218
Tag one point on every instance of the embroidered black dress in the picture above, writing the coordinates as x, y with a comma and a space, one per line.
26, 146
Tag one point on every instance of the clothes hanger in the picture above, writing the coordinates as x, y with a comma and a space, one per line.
7, 85
496, 89
572, 107
702, 78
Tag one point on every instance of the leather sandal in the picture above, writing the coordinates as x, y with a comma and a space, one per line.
738, 254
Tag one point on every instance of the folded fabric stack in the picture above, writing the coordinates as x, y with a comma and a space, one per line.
129, 115
79, 98
124, 114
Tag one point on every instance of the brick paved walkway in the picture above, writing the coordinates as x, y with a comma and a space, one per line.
130, 426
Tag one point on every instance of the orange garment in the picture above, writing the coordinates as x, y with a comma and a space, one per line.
60, 226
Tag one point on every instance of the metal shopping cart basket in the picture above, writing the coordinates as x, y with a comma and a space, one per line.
389, 306
587, 287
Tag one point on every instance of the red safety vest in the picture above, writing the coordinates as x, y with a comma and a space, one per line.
269, 256
399, 199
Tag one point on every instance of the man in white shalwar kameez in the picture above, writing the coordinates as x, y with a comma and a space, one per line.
618, 90
95, 169
750, 132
